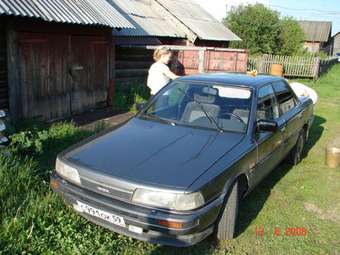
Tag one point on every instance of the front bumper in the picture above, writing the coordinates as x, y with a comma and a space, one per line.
197, 224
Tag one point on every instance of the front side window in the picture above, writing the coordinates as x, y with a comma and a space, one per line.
267, 108
285, 97
211, 106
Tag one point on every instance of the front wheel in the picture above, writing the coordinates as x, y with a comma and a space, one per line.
227, 224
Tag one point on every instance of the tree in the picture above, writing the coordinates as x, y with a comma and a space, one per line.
290, 38
262, 31
257, 26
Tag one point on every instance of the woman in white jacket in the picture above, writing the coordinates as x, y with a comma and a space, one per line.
159, 72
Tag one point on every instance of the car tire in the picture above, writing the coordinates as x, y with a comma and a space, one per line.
226, 227
295, 155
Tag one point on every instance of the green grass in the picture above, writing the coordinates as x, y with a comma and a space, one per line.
35, 221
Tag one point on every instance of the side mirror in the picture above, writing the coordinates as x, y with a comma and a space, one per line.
140, 106
266, 126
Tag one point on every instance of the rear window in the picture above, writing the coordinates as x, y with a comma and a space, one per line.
285, 97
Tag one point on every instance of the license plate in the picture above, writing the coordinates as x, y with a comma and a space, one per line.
115, 219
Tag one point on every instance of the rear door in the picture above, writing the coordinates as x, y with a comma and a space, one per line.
289, 113
269, 143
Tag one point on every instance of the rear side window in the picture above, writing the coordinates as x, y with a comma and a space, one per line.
285, 97
267, 108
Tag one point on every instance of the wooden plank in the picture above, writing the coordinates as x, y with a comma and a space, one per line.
128, 64
124, 73
3, 68
201, 61
13, 68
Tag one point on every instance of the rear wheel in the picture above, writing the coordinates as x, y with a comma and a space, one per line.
295, 155
227, 224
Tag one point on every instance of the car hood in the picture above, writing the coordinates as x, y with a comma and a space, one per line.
153, 153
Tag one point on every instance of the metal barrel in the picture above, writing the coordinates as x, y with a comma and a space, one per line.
333, 154
277, 70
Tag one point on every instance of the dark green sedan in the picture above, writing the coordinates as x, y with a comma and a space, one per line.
175, 173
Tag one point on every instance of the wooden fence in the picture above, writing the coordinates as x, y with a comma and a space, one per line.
326, 64
293, 66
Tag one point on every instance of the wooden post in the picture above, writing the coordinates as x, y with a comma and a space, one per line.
316, 68
263, 63
112, 69
201, 59
13, 61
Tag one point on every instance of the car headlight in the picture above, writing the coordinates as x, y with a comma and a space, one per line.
2, 126
169, 200
2, 114
3, 139
69, 173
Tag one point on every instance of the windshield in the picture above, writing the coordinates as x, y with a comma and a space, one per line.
220, 107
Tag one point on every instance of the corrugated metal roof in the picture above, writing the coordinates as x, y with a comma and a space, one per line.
167, 18
199, 21
316, 31
336, 35
145, 15
86, 12
137, 40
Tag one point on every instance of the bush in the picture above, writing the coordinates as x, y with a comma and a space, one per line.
290, 38
263, 32
28, 141
40, 139
126, 97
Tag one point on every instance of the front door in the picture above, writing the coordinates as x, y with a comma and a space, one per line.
292, 115
269, 143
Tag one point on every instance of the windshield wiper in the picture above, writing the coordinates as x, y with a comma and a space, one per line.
210, 118
155, 117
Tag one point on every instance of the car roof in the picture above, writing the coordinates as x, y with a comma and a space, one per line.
232, 79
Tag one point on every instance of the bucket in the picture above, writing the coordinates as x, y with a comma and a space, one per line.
277, 70
333, 154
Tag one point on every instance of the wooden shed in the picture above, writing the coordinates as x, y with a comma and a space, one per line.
316, 35
57, 60
334, 45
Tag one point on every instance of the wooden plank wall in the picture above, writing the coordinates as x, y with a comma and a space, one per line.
62, 75
133, 62
63, 70
3, 67
336, 44
132, 65
225, 61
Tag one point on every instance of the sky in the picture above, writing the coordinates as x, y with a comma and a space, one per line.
325, 10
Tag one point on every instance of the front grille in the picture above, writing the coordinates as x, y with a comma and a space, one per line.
105, 190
